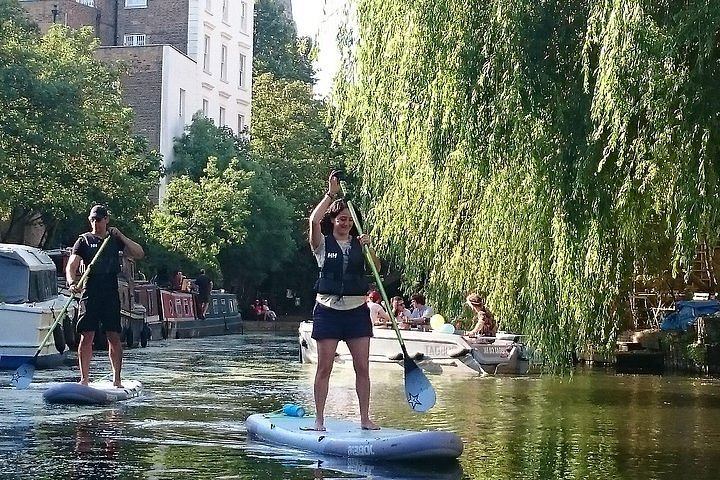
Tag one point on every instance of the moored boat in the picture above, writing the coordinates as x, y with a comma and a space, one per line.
433, 351
179, 317
29, 301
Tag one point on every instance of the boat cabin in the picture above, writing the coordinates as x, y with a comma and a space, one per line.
27, 275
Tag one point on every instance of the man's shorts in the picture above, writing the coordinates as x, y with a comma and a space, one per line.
100, 313
341, 324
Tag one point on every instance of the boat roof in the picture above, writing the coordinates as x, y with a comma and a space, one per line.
31, 257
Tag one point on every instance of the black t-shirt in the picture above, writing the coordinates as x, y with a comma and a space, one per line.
203, 283
105, 269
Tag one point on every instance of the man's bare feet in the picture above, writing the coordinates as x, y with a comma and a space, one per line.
118, 384
84, 381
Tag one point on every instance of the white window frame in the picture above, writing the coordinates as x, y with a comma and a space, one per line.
208, 6
205, 107
206, 54
241, 70
135, 3
223, 62
241, 123
243, 16
225, 10
222, 117
134, 40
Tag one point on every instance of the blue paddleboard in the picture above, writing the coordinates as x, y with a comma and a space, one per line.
344, 438
96, 393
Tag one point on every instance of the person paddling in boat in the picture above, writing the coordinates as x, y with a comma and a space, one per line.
485, 324
99, 297
340, 312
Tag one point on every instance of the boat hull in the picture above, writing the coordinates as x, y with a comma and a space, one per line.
24, 326
434, 352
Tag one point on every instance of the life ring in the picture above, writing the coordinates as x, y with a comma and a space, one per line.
59, 338
145, 334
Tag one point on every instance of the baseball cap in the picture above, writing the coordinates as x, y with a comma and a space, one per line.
98, 211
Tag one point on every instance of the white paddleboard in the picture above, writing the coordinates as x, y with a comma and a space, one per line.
96, 393
344, 438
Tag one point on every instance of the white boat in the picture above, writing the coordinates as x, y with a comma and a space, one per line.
29, 301
433, 351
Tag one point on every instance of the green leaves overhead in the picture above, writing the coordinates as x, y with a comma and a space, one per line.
537, 152
65, 135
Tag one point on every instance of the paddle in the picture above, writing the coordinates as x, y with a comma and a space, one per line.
23, 376
419, 392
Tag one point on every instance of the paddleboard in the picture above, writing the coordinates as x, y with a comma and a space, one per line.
344, 438
96, 393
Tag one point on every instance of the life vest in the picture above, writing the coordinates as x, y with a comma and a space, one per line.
109, 263
333, 281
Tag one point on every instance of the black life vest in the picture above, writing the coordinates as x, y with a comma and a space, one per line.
333, 281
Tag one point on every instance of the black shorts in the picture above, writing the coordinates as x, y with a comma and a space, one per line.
341, 324
100, 312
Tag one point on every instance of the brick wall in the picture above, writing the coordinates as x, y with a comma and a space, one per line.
142, 85
68, 13
163, 21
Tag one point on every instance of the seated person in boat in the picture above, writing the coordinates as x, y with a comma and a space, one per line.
421, 313
485, 324
401, 314
378, 315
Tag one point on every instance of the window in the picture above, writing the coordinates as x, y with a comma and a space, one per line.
135, 3
221, 119
225, 10
241, 81
241, 124
181, 107
243, 16
223, 63
206, 54
134, 40
206, 107
208, 6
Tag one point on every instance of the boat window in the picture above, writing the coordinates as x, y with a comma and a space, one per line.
43, 285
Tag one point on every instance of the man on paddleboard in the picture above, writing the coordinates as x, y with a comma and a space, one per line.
99, 299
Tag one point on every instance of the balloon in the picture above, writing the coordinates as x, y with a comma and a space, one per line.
437, 321
447, 328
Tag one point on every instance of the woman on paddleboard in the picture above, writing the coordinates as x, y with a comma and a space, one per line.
340, 311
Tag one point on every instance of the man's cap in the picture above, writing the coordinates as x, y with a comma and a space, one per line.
98, 211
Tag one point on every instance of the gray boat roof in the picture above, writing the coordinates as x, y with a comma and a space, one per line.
32, 257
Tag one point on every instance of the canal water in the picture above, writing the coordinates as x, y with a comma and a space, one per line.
189, 423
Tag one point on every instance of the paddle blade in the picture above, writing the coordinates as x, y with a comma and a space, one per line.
23, 376
419, 391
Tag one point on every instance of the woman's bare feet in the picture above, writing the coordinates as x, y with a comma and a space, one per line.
369, 425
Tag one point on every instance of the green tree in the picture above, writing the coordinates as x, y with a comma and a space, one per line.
276, 47
535, 151
245, 257
199, 219
65, 134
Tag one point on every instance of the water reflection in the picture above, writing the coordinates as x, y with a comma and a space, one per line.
189, 423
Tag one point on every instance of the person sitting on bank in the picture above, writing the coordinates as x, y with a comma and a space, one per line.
421, 313
378, 315
485, 324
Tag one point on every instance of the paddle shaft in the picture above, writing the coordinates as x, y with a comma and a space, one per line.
376, 274
64, 310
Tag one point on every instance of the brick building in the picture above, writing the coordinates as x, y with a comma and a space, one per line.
181, 56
